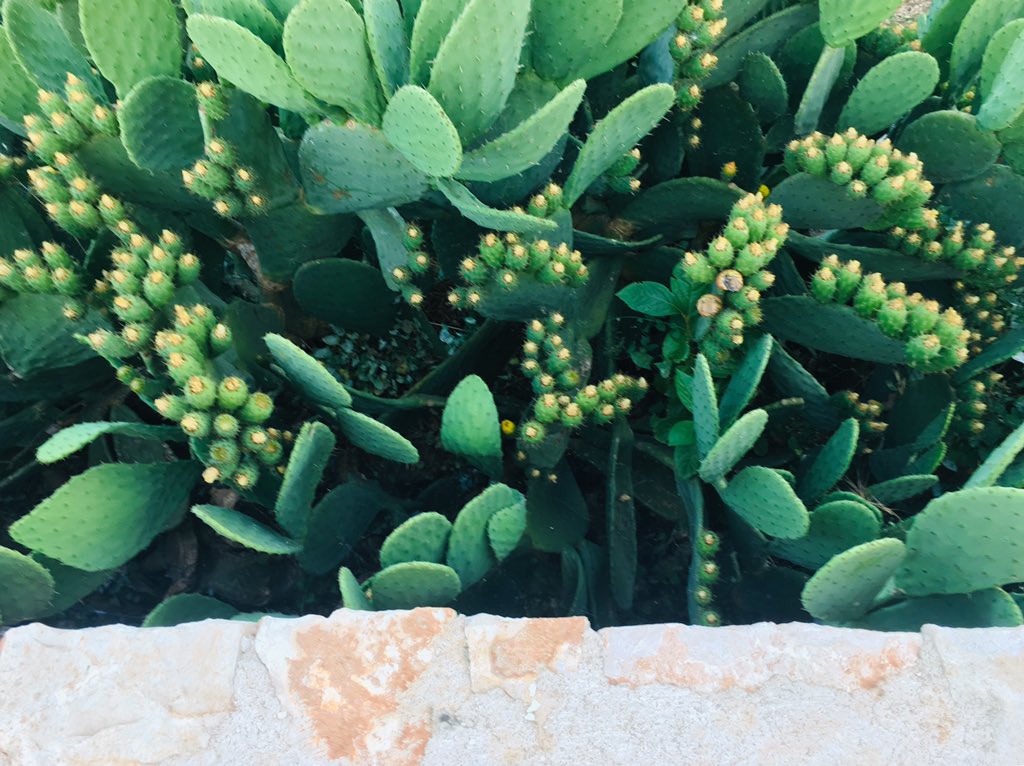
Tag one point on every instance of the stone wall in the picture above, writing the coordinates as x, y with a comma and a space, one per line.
431, 687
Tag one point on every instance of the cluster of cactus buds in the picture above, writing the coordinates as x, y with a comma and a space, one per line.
549, 362
620, 176
502, 263
699, 27
868, 169
418, 266
985, 314
867, 413
51, 272
974, 250
230, 186
63, 124
545, 203
890, 39
936, 339
705, 546
733, 268
975, 399
70, 197
224, 420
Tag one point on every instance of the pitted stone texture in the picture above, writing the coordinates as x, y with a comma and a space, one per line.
431, 687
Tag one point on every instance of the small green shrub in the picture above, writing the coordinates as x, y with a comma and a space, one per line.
639, 309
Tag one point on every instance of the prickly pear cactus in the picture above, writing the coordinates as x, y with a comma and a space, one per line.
636, 309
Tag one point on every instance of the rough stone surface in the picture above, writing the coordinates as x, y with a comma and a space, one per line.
432, 687
911, 11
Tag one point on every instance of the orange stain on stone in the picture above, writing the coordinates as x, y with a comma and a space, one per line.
539, 644
871, 670
351, 679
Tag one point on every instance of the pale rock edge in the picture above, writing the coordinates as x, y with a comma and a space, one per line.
432, 687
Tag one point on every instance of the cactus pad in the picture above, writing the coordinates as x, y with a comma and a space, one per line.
469, 550
470, 425
733, 445
980, 24
705, 407
376, 438
28, 587
132, 40
245, 530
809, 202
1004, 103
251, 14
325, 44
565, 33
475, 68
901, 488
241, 57
307, 374
418, 127
433, 22
423, 537
991, 608
835, 527
349, 294
766, 501
951, 145
104, 516
310, 454
43, 48
413, 584
616, 134
353, 167
527, 143
17, 90
160, 125
766, 36
641, 22
556, 512
965, 541
187, 607
388, 42
352, 595
505, 529
890, 90
488, 217
831, 463
744, 382
842, 22
846, 586
69, 440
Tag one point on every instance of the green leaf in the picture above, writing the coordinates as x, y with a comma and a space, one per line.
245, 530
650, 298
470, 427
69, 440
241, 57
616, 134
325, 44
101, 518
132, 39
